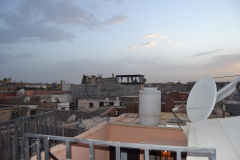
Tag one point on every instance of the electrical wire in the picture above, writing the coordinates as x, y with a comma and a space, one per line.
226, 76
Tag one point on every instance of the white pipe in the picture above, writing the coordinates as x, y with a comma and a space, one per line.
227, 90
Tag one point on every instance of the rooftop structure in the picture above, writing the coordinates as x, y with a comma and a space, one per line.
102, 89
131, 79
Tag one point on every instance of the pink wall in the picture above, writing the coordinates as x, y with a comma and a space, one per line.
139, 134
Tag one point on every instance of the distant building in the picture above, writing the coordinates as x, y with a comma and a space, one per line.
131, 79
35, 86
96, 102
94, 90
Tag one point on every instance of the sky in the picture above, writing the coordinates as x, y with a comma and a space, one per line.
166, 40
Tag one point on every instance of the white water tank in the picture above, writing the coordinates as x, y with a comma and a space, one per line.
149, 106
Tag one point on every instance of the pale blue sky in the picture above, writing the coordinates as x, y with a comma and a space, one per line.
166, 40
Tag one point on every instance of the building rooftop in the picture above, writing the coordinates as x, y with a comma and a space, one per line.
122, 132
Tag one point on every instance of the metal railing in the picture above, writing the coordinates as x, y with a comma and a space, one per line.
12, 133
45, 139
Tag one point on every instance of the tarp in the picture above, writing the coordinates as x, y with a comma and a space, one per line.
221, 133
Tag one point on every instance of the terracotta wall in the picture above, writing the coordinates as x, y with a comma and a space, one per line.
43, 92
7, 94
176, 96
138, 134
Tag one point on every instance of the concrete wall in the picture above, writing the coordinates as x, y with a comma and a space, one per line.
95, 102
66, 87
103, 90
55, 97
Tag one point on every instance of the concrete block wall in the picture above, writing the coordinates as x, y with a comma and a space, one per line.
103, 90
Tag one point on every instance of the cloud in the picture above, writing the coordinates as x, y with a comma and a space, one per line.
149, 44
133, 47
46, 21
207, 53
115, 0
8, 58
154, 36
224, 60
179, 44
155, 69
170, 42
116, 20
154, 39
42, 20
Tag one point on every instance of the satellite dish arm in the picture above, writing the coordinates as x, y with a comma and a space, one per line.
228, 90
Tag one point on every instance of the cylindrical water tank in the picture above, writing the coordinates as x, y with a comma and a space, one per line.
149, 106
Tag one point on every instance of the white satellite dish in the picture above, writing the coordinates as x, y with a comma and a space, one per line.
26, 100
202, 99
21, 92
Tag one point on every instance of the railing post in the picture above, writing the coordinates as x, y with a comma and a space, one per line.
68, 150
16, 139
51, 123
45, 125
28, 125
117, 153
1, 155
8, 141
46, 148
13, 149
91, 151
213, 155
41, 124
23, 141
178, 155
38, 149
55, 123
35, 124
26, 155
146, 154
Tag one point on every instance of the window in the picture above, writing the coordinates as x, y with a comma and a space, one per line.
90, 105
101, 104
